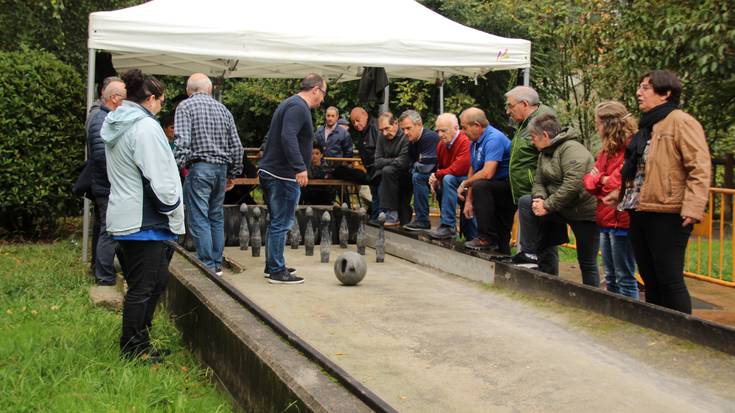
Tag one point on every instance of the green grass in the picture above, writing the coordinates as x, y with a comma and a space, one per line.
702, 249
59, 353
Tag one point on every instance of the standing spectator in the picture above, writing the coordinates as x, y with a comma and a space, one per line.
666, 177
615, 126
559, 199
207, 144
392, 163
112, 97
145, 206
522, 104
283, 170
489, 199
422, 144
335, 141
453, 164
366, 137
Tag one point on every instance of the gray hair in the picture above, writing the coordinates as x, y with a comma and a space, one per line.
524, 94
108, 91
413, 115
200, 83
311, 80
545, 123
334, 109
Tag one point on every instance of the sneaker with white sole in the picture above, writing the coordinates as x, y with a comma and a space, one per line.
285, 277
266, 274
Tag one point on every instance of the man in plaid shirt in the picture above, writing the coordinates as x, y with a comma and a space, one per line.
208, 144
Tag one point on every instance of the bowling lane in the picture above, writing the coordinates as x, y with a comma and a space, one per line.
427, 341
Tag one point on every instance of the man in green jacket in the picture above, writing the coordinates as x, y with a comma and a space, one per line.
522, 104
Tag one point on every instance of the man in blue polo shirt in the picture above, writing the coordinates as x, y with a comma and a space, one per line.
488, 194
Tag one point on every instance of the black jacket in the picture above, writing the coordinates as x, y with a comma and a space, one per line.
96, 150
366, 142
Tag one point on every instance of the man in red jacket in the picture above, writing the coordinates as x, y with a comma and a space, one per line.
453, 163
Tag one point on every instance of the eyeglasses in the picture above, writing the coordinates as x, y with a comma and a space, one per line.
324, 91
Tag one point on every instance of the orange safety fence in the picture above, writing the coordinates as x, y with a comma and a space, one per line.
709, 254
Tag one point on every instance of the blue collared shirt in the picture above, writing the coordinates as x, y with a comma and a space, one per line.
493, 145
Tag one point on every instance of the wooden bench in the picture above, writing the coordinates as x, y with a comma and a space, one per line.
316, 182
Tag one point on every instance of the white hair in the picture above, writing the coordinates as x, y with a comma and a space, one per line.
524, 94
200, 83
450, 117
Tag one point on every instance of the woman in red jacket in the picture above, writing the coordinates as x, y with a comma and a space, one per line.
615, 126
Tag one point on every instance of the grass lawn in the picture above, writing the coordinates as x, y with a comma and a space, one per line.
59, 353
698, 246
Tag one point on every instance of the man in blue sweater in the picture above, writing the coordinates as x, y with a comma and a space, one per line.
422, 150
283, 170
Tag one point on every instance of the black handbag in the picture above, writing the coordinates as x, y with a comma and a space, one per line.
83, 184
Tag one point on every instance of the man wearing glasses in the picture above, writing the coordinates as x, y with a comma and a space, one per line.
522, 104
208, 144
283, 170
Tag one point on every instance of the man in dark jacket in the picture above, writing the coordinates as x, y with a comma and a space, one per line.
422, 151
283, 170
112, 97
365, 137
392, 166
335, 140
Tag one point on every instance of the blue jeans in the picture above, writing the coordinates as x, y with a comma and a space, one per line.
421, 196
618, 263
281, 196
448, 216
204, 197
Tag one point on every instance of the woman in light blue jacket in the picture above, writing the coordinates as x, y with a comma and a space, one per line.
145, 207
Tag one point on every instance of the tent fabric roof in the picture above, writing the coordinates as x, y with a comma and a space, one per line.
289, 39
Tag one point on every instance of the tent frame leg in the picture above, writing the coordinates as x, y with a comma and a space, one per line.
527, 76
90, 98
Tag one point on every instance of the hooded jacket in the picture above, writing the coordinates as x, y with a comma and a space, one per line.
561, 168
145, 189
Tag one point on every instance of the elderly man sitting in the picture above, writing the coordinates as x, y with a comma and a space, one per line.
392, 165
422, 151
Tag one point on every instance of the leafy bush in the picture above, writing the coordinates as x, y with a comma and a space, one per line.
41, 140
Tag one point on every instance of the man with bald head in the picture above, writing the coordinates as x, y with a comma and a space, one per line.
453, 164
488, 196
208, 144
113, 94
365, 135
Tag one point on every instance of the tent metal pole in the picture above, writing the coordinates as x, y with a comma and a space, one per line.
385, 106
90, 97
527, 76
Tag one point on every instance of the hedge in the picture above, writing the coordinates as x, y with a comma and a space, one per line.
41, 140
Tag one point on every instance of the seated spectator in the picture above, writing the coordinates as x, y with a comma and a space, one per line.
422, 151
167, 122
242, 194
344, 124
392, 165
615, 126
336, 141
365, 135
453, 163
317, 169
489, 199
558, 198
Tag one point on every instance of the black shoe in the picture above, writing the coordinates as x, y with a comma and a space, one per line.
523, 258
105, 283
266, 274
285, 277
442, 232
479, 244
218, 272
417, 226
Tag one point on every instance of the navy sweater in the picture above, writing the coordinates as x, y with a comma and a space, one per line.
423, 151
288, 146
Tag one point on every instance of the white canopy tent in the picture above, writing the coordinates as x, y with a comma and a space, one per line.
289, 39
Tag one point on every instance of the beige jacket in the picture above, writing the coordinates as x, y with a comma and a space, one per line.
678, 168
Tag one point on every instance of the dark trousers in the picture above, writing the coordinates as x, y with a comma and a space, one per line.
659, 244
145, 266
494, 211
104, 263
396, 192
